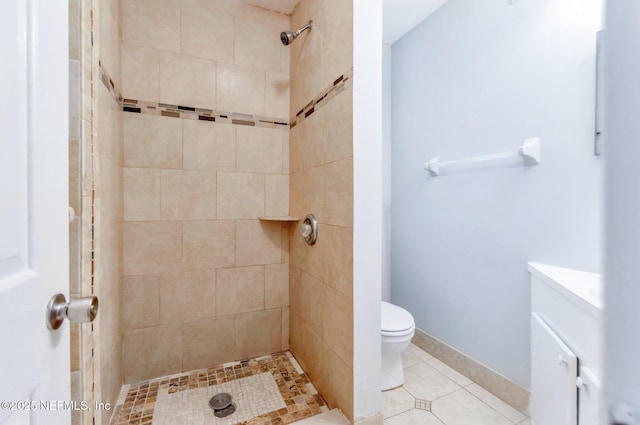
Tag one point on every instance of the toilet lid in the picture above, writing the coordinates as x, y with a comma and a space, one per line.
395, 319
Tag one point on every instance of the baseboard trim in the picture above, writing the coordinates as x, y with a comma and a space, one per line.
489, 379
371, 420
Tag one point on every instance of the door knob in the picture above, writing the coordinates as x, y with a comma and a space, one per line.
77, 310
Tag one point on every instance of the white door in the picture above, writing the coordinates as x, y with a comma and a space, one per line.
34, 362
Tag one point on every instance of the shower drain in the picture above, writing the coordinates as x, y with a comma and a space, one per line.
221, 405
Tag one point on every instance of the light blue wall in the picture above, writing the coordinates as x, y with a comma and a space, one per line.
480, 77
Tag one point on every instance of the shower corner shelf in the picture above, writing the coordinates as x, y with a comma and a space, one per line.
284, 218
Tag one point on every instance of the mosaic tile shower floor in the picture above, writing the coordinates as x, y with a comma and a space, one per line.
267, 390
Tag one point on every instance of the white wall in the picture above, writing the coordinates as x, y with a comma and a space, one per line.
622, 135
386, 172
477, 78
367, 199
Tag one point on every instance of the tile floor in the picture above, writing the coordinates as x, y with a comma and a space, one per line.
268, 390
273, 389
435, 394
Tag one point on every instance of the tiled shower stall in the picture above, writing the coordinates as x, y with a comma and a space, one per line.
195, 133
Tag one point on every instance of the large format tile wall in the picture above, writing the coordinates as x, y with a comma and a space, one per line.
321, 275
95, 189
107, 202
204, 281
76, 193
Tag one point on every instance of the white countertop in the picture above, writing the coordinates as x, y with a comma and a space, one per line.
582, 288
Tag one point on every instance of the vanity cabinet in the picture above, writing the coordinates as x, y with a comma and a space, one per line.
566, 339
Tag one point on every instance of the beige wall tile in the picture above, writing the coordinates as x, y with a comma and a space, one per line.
253, 13
209, 146
87, 177
152, 352
151, 247
338, 115
276, 285
306, 77
277, 95
307, 299
74, 29
285, 328
256, 46
240, 195
239, 290
257, 242
296, 151
208, 244
285, 61
140, 73
337, 193
310, 258
337, 44
240, 89
141, 301
141, 194
109, 15
339, 379
152, 23
339, 256
75, 255
284, 238
252, 339
286, 161
110, 378
277, 195
197, 294
188, 195
206, 32
337, 323
75, 346
152, 141
308, 145
109, 189
259, 150
75, 98
171, 297
208, 342
109, 125
186, 80
306, 193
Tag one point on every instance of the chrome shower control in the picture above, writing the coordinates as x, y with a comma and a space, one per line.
309, 229
77, 310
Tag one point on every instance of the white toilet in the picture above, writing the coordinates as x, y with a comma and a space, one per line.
397, 329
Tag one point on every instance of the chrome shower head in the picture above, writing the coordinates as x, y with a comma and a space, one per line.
287, 36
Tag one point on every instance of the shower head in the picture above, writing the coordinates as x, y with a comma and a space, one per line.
287, 36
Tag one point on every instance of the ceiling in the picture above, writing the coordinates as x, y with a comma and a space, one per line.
400, 16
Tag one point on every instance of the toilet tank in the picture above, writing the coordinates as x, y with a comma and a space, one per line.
566, 345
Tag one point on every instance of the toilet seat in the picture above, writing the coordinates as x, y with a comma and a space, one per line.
409, 331
395, 321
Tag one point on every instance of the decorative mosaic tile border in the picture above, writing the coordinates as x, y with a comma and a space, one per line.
339, 85
202, 114
109, 84
137, 403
